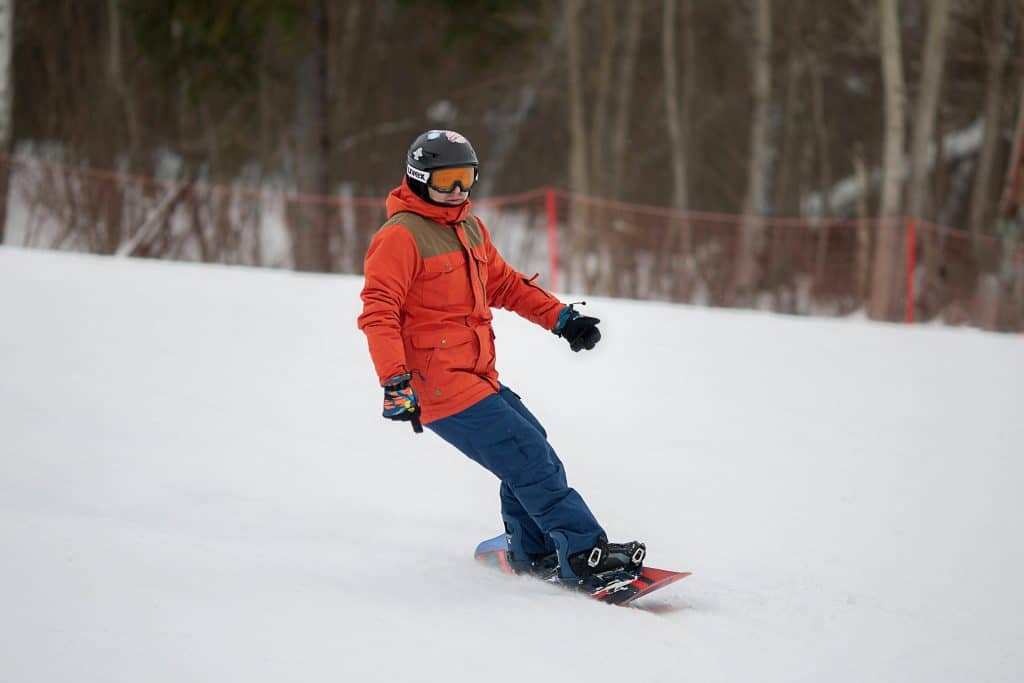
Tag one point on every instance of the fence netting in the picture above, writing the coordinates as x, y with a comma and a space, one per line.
585, 245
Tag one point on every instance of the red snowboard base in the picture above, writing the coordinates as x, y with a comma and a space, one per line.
621, 591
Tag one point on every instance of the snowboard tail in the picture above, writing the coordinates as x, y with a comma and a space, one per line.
616, 588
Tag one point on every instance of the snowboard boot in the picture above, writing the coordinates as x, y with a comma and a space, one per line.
604, 563
541, 565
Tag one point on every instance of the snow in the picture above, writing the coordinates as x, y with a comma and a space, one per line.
196, 485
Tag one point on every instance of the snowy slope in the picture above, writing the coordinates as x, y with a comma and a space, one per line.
196, 485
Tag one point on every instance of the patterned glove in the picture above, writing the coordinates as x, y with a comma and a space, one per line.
579, 330
400, 401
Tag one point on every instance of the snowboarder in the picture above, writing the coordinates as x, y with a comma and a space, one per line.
432, 276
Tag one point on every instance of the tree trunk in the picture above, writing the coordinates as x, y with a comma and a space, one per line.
6, 105
981, 192
578, 181
311, 224
600, 105
673, 119
887, 246
862, 265
1011, 196
792, 136
821, 138
824, 169
678, 249
751, 232
602, 276
932, 58
616, 238
115, 74
624, 96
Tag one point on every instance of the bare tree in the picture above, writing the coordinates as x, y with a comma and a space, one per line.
1009, 274
118, 81
623, 96
310, 224
862, 260
751, 232
821, 136
933, 59
578, 179
886, 259
600, 104
679, 241
794, 142
674, 121
998, 52
1010, 198
6, 103
615, 253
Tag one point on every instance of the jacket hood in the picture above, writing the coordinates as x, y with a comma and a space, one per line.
404, 199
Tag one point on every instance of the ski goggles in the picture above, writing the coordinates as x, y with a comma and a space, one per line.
445, 179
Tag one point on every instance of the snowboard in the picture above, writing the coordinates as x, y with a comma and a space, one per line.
623, 588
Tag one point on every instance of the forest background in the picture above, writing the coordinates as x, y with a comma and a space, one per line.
877, 129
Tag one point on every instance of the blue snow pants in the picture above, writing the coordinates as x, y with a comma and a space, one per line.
540, 511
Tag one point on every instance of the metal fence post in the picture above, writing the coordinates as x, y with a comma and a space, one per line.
908, 316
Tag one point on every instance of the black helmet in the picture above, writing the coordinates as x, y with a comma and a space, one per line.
434, 150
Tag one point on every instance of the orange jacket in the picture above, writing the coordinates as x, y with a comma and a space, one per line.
432, 276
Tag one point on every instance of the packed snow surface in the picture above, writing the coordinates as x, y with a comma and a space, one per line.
196, 485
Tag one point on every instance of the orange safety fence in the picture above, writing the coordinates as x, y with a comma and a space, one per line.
586, 245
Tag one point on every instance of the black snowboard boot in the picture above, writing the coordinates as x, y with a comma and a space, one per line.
541, 566
603, 559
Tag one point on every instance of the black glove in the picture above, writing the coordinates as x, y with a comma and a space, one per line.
579, 330
401, 402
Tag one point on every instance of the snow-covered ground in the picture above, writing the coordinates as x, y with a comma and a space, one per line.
196, 485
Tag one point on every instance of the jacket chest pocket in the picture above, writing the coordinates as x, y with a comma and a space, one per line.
444, 282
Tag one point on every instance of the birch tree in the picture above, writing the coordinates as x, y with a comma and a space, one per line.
932, 59
887, 246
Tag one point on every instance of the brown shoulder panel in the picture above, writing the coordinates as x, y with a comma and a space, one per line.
431, 239
474, 235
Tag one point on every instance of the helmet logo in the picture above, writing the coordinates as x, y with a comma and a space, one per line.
416, 174
454, 137
418, 154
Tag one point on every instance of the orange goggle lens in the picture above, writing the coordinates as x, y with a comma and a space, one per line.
445, 179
